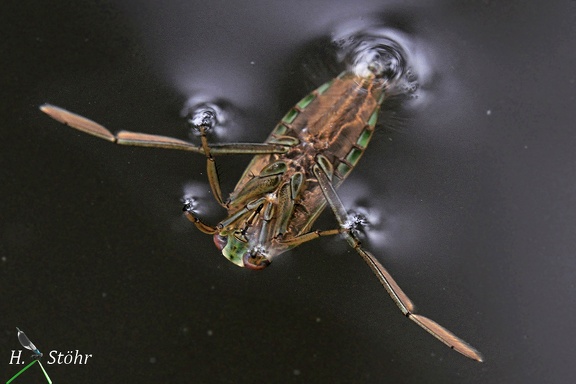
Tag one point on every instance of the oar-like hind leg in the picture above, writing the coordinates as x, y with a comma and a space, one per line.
399, 297
146, 140
156, 141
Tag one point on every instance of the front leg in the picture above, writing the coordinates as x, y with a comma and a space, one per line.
399, 297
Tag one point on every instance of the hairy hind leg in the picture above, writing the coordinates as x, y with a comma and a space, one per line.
397, 294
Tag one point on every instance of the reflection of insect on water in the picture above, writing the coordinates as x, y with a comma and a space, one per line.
293, 176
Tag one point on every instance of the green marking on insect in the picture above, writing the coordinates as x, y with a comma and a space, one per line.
290, 116
354, 155
302, 104
289, 181
280, 129
324, 87
235, 250
364, 138
373, 118
343, 169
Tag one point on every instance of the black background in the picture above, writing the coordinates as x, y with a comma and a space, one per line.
476, 181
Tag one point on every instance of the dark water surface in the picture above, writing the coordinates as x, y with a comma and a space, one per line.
474, 180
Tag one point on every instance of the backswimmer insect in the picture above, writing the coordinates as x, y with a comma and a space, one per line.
294, 174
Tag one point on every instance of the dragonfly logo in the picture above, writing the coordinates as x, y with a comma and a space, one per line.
26, 343
36, 355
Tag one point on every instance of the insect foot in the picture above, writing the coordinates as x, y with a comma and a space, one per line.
190, 204
203, 117
358, 222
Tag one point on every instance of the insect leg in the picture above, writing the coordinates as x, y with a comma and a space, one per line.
297, 240
211, 171
156, 141
208, 229
147, 140
124, 137
399, 297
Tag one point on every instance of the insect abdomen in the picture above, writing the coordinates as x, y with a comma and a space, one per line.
337, 120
